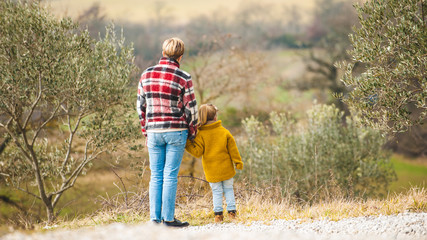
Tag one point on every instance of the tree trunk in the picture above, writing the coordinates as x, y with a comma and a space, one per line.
50, 213
47, 201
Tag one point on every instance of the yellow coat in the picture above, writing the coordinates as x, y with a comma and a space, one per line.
218, 150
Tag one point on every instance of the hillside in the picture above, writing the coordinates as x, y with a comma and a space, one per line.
142, 11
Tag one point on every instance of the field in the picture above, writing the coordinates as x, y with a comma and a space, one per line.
99, 198
135, 11
104, 183
410, 173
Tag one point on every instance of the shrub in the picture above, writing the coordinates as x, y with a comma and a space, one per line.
317, 158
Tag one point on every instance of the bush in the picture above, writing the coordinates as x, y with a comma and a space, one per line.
317, 158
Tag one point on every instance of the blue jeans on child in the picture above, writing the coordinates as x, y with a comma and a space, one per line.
165, 150
218, 189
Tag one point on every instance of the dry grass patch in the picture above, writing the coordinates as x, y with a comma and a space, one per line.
194, 204
261, 206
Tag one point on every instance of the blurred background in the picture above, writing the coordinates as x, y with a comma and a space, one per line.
289, 50
289, 47
249, 57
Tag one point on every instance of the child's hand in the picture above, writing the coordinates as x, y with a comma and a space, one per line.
189, 143
239, 166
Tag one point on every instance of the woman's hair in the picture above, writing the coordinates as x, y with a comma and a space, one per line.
207, 112
173, 48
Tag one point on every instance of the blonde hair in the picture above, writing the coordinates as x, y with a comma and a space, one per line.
173, 48
207, 112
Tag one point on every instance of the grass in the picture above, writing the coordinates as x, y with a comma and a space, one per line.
80, 200
410, 173
264, 206
194, 203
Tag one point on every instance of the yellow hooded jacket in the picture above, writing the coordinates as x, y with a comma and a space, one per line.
218, 150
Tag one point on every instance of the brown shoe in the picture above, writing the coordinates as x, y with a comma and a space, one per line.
232, 214
219, 217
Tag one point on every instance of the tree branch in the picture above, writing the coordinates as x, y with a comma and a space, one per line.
318, 60
45, 123
5, 143
70, 141
34, 105
319, 70
7, 123
69, 183
9, 112
124, 186
16, 141
28, 192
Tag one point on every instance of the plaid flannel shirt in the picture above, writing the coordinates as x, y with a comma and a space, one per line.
166, 98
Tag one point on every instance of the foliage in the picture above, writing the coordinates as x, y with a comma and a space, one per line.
391, 42
313, 160
63, 99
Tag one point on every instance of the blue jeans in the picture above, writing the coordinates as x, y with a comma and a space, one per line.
218, 189
165, 151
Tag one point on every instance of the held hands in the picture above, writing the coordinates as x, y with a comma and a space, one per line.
189, 143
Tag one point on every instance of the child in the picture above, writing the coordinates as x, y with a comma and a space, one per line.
220, 154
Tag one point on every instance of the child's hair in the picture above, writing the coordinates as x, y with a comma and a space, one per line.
207, 112
173, 47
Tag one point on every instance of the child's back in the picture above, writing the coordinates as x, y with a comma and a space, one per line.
218, 150
219, 153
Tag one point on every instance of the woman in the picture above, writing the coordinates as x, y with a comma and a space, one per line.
167, 111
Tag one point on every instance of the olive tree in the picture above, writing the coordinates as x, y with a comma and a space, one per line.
391, 43
63, 99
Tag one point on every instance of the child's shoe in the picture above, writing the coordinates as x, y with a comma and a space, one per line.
232, 215
219, 217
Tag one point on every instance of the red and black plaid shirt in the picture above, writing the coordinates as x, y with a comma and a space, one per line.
166, 98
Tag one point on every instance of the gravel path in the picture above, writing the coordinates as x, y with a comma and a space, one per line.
403, 226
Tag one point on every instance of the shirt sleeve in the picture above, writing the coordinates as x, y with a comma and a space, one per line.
234, 152
141, 106
190, 105
196, 147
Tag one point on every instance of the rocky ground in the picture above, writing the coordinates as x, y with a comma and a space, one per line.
403, 226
